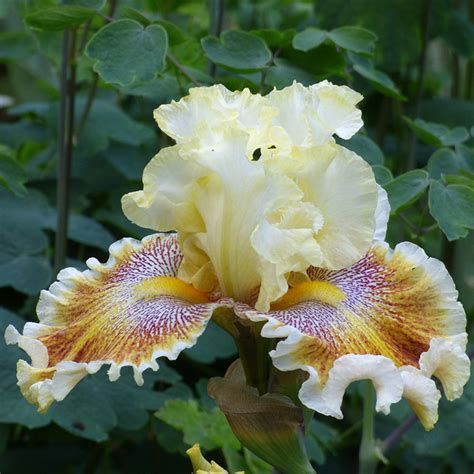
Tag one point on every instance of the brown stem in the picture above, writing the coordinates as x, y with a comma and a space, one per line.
469, 92
428, 7
65, 143
216, 16
392, 439
182, 70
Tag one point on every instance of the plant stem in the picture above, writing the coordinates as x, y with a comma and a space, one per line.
253, 352
367, 453
394, 437
216, 15
65, 142
182, 70
87, 107
428, 8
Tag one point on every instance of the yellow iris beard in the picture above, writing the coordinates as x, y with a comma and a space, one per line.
308, 291
169, 286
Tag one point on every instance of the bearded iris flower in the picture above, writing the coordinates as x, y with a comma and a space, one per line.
261, 217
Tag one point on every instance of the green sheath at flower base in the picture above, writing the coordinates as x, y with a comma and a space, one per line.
271, 426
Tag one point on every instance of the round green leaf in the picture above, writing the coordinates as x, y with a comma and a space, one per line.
453, 209
406, 189
274, 38
12, 173
125, 52
366, 148
59, 18
443, 161
460, 34
437, 134
283, 73
382, 174
379, 81
309, 39
16, 45
97, 4
354, 38
26, 273
237, 50
213, 344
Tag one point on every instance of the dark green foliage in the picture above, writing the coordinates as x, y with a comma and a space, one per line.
133, 55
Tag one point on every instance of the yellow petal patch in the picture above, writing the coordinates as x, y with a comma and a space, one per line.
126, 312
396, 312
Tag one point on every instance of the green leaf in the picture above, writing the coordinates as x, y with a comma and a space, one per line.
208, 427
452, 208
406, 189
87, 231
19, 237
437, 134
460, 34
16, 45
133, 14
441, 162
275, 38
26, 273
97, 4
309, 39
450, 112
445, 161
125, 52
127, 160
379, 81
397, 24
162, 89
213, 344
382, 174
12, 173
283, 73
321, 62
459, 179
121, 404
364, 147
106, 122
59, 18
354, 38
237, 50
14, 408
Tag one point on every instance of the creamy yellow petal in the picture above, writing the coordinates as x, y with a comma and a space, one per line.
422, 395
232, 201
166, 201
297, 111
126, 312
310, 116
382, 215
285, 242
337, 111
396, 316
240, 223
201, 117
447, 361
203, 109
342, 187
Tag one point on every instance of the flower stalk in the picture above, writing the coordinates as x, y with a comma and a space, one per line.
65, 143
367, 453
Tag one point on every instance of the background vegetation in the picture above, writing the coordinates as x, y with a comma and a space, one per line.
79, 80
